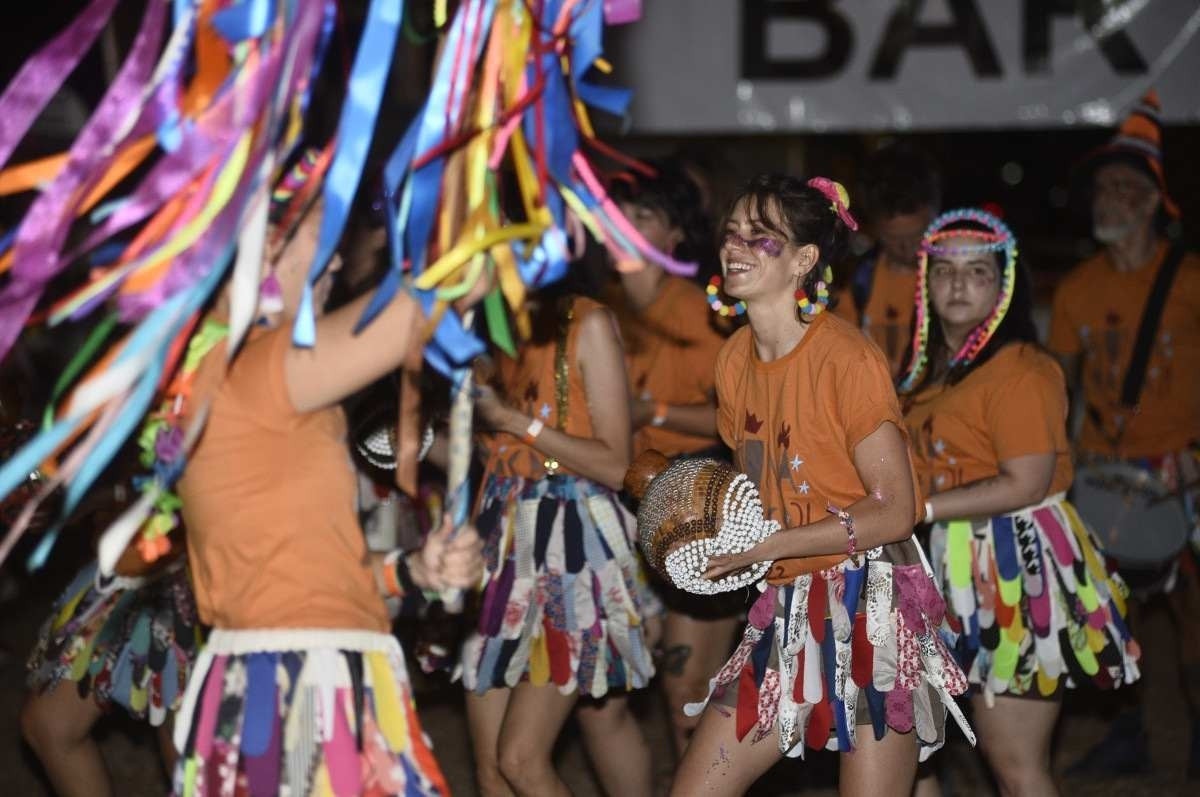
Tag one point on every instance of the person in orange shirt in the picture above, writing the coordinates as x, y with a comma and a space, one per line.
1031, 600
1098, 308
902, 190
300, 687
563, 619
848, 657
671, 346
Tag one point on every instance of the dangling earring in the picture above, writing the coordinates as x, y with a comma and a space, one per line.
814, 307
714, 300
270, 297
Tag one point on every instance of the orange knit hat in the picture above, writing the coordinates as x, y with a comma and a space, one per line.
1138, 142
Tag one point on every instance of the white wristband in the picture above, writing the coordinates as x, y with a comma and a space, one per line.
533, 430
928, 511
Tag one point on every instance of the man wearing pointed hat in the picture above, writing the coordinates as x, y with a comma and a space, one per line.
1098, 312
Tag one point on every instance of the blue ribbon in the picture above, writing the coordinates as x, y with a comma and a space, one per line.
355, 130
248, 19
587, 29
426, 182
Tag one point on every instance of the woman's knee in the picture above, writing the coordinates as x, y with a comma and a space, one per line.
56, 718
41, 725
492, 782
523, 766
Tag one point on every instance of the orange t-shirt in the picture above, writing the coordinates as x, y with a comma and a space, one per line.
269, 502
528, 384
1013, 405
1097, 310
671, 356
793, 423
887, 318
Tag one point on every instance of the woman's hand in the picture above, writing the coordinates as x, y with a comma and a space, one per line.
721, 565
641, 412
446, 562
492, 409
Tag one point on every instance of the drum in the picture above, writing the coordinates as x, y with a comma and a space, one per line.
1139, 520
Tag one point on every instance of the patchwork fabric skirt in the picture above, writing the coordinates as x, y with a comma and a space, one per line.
565, 592
302, 712
1033, 602
843, 651
128, 642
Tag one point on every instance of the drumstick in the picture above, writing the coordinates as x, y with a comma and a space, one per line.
458, 459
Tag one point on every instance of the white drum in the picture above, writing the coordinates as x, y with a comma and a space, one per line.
1140, 522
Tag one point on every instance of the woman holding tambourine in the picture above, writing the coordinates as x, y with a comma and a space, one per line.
842, 650
1026, 584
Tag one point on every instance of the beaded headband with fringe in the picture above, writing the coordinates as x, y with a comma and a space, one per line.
296, 190
995, 238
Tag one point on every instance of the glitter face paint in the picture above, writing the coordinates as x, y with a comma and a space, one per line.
762, 245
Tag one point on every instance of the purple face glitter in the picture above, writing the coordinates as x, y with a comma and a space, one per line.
763, 245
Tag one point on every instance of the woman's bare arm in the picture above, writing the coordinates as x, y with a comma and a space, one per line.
605, 456
341, 362
1021, 482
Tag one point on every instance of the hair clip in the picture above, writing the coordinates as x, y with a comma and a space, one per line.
839, 199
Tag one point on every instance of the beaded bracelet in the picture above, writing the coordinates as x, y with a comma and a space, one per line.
397, 579
391, 578
847, 521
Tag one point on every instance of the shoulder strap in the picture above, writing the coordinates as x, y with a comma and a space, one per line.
1135, 376
562, 365
860, 287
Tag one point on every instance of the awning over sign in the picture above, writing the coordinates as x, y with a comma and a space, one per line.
713, 66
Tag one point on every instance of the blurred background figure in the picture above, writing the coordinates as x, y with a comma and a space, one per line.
1126, 328
901, 193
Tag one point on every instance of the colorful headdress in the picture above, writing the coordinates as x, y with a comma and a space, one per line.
296, 190
995, 237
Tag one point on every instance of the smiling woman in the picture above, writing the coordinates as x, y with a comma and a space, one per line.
807, 405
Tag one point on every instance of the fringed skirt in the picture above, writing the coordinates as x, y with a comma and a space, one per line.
565, 594
128, 642
1033, 602
302, 712
855, 645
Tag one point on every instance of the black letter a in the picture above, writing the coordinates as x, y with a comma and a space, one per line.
966, 30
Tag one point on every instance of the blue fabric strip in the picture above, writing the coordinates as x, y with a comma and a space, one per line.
355, 131
248, 19
1008, 563
260, 703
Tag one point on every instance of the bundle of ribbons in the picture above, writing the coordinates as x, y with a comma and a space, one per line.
165, 194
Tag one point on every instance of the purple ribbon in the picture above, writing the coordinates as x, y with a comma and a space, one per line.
40, 238
620, 12
42, 75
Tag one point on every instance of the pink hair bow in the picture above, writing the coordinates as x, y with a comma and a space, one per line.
836, 193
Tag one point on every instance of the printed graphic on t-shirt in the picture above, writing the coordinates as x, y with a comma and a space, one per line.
780, 482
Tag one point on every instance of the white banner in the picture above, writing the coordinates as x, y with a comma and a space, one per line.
710, 66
